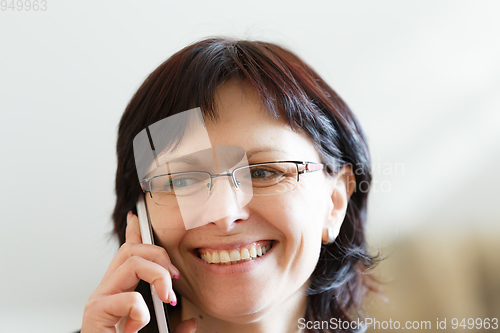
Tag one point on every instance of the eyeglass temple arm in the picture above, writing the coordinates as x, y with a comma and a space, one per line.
145, 187
311, 167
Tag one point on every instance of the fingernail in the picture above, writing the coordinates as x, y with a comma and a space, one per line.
173, 298
175, 271
195, 322
129, 213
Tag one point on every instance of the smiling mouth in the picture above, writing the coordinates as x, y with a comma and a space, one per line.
237, 255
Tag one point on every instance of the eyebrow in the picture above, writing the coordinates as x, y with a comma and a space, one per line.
196, 161
191, 160
164, 164
255, 151
185, 159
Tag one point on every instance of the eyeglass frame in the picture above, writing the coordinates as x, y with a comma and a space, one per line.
146, 187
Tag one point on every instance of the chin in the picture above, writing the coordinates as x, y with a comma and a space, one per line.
241, 312
239, 305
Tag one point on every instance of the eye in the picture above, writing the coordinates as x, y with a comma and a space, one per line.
178, 183
182, 182
261, 173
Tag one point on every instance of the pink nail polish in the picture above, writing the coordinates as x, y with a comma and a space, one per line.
173, 303
129, 213
176, 276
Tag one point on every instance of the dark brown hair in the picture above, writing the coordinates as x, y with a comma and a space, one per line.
288, 88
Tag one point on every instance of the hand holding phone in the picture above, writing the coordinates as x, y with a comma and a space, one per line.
115, 302
147, 238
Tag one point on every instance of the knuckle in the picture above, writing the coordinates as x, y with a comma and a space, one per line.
161, 256
90, 307
137, 302
136, 299
162, 280
134, 260
141, 309
162, 253
126, 247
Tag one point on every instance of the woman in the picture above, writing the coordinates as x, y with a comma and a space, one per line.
264, 99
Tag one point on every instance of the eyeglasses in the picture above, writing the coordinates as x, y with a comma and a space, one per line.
260, 179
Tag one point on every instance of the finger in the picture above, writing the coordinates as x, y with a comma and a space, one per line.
106, 312
133, 230
128, 275
152, 253
187, 326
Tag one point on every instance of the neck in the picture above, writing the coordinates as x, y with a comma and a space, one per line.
280, 318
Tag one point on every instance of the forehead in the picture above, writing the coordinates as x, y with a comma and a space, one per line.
243, 120
237, 102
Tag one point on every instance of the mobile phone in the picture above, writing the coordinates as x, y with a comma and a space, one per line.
147, 238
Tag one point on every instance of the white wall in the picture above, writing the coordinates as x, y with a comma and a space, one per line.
422, 76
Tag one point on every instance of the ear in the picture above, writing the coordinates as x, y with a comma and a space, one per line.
342, 187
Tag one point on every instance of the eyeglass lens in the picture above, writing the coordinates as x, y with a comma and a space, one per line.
262, 179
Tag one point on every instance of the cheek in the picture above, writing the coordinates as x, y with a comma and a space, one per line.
311, 211
166, 218
168, 228
297, 219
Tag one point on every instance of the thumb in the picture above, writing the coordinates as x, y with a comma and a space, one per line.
187, 326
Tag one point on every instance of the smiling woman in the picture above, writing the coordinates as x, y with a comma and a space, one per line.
293, 251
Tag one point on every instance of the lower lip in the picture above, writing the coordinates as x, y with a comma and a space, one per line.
238, 268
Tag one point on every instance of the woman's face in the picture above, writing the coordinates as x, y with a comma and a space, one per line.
291, 222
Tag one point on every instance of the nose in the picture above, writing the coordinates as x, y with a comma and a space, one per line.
227, 204
224, 206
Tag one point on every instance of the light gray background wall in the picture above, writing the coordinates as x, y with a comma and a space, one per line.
422, 76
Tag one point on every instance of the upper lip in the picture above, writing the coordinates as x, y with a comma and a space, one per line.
230, 245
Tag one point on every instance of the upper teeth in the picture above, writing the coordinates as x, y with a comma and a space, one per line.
234, 256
